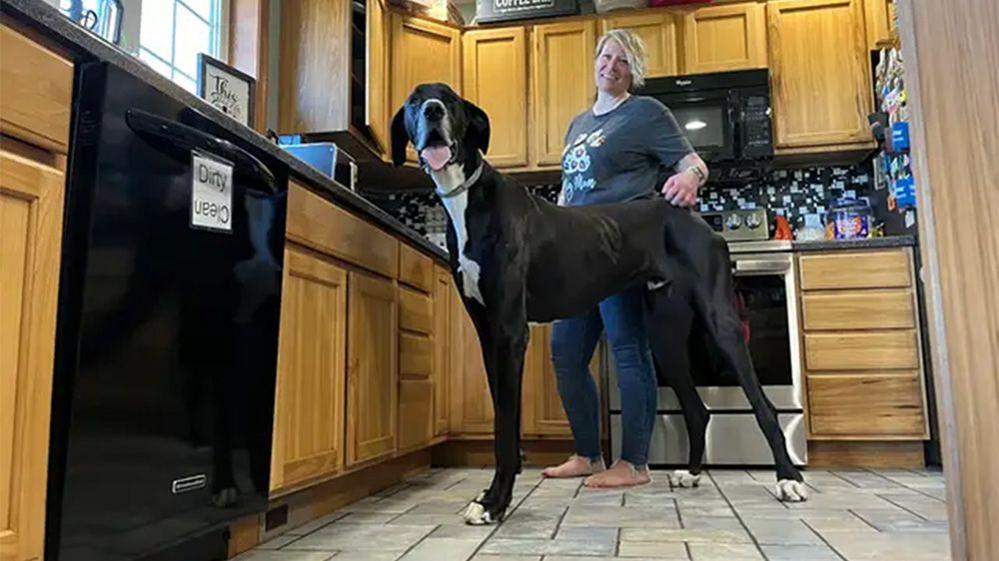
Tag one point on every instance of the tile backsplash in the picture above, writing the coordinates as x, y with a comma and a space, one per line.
792, 193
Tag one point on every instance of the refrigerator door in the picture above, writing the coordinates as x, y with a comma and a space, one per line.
168, 327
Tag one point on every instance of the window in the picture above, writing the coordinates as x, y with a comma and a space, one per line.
173, 32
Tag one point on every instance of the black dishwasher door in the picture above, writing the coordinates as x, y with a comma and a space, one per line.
167, 332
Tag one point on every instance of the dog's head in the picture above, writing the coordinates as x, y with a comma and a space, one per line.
444, 128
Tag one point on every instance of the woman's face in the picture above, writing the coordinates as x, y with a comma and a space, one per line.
612, 71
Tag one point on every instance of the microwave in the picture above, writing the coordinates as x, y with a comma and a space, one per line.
724, 115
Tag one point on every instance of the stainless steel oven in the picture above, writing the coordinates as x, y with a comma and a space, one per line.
765, 282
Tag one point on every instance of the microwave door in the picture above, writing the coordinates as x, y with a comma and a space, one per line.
707, 126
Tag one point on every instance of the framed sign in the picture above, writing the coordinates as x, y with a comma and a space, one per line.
505, 10
226, 89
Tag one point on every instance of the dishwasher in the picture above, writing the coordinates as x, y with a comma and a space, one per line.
167, 328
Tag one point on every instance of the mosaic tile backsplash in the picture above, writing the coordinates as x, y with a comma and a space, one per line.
792, 193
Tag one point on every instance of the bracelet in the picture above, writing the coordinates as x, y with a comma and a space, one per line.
701, 179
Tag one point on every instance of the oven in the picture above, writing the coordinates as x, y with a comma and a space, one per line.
765, 283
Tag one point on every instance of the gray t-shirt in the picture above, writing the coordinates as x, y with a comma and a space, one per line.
622, 155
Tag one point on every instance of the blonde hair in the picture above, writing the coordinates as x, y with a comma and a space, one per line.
633, 47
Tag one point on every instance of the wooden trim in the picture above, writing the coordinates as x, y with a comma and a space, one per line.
249, 43
244, 534
478, 452
823, 454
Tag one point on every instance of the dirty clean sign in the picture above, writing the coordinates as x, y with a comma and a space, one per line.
211, 192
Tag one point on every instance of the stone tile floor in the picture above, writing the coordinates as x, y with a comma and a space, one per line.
851, 515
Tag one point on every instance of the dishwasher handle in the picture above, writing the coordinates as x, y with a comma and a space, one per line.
758, 266
186, 138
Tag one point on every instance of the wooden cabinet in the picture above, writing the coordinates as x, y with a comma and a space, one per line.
724, 37
860, 341
416, 367
819, 75
659, 31
421, 51
35, 94
495, 79
471, 402
562, 83
378, 111
880, 18
372, 367
309, 400
442, 345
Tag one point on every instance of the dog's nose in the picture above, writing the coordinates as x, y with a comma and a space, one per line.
433, 112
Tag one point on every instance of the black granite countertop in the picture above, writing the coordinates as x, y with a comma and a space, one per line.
864, 243
51, 23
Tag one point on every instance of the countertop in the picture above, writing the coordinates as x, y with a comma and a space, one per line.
59, 29
865, 243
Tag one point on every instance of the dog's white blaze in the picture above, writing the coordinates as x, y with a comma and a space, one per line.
448, 179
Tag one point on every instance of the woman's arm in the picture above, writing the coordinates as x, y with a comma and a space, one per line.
681, 188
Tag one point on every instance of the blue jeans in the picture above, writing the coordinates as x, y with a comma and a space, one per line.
573, 342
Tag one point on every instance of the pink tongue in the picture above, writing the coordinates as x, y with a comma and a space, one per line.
436, 157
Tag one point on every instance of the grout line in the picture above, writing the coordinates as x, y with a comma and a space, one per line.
904, 486
686, 546
825, 541
835, 474
912, 512
864, 520
737, 516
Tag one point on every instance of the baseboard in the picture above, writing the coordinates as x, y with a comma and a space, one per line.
479, 452
879, 454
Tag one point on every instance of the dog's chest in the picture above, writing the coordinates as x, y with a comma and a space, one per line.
457, 208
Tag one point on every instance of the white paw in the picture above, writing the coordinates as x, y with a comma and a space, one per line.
791, 491
683, 478
476, 515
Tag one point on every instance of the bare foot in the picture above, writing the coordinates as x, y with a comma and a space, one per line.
575, 466
621, 474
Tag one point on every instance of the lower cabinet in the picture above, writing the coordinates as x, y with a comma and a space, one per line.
442, 362
309, 401
372, 367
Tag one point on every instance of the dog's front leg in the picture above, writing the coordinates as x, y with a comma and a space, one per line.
505, 370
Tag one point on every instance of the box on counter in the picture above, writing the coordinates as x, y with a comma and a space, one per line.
487, 11
326, 158
440, 10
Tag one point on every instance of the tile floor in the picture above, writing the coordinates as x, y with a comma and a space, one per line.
851, 515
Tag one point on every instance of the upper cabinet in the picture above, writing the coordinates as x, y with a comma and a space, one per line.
495, 79
659, 31
880, 18
377, 116
819, 75
725, 37
562, 81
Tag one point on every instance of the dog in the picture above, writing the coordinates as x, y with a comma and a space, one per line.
517, 258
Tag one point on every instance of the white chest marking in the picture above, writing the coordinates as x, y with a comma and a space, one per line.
446, 180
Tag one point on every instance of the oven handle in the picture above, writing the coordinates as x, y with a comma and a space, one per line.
762, 266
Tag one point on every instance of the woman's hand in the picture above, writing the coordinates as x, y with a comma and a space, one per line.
681, 189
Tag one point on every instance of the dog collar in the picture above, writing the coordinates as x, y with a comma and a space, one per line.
464, 186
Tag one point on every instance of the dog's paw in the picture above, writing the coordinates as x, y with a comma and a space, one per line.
791, 491
683, 478
475, 514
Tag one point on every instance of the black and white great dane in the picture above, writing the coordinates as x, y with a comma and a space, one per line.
517, 258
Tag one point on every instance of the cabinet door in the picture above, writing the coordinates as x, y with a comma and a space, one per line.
309, 401
31, 202
372, 367
543, 413
880, 18
727, 37
442, 342
471, 402
495, 79
422, 51
562, 70
377, 109
819, 73
658, 30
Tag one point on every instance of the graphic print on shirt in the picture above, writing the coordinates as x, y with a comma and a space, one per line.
576, 162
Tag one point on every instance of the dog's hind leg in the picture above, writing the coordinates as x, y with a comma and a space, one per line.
505, 370
713, 301
669, 319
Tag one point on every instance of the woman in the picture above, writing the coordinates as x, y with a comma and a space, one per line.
618, 150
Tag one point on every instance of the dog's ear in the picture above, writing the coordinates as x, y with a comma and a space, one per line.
399, 137
477, 132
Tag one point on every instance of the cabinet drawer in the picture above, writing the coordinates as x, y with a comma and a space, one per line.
868, 350
866, 269
416, 356
866, 405
415, 311
415, 268
867, 309
317, 223
36, 91
415, 413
